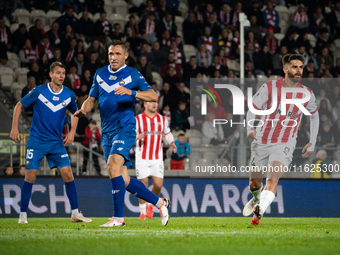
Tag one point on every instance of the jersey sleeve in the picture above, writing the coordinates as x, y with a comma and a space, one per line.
30, 98
166, 129
260, 99
312, 106
140, 82
94, 91
73, 105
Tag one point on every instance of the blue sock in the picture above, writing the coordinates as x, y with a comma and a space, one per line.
118, 195
72, 194
137, 188
26, 192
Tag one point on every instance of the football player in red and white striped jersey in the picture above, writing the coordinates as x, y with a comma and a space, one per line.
151, 126
275, 136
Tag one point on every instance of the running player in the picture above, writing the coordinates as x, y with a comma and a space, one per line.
151, 126
116, 86
50, 102
274, 141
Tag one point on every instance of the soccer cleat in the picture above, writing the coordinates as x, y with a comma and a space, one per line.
113, 223
142, 216
255, 221
149, 211
80, 218
248, 208
257, 215
22, 218
163, 210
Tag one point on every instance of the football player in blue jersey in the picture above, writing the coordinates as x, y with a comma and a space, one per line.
50, 102
116, 86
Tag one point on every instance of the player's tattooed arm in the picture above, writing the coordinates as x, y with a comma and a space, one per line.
14, 135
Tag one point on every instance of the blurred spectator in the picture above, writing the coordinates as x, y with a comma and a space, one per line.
271, 18
301, 50
97, 6
325, 110
217, 109
214, 25
309, 68
9, 171
255, 28
19, 37
323, 40
208, 40
209, 10
277, 61
167, 114
159, 56
92, 64
191, 29
190, 69
270, 41
36, 32
301, 141
319, 163
79, 62
217, 66
311, 57
321, 97
65, 37
27, 54
312, 83
22, 170
82, 94
167, 24
5, 34
325, 58
103, 28
334, 95
167, 97
155, 88
57, 56
44, 65
198, 14
82, 124
336, 132
336, 111
326, 139
224, 16
31, 84
86, 78
324, 71
256, 11
74, 77
195, 111
144, 68
91, 134
148, 28
80, 48
336, 70
172, 6
54, 35
69, 51
265, 63
165, 40
171, 62
117, 35
315, 20
44, 47
181, 117
334, 20
178, 54
234, 22
251, 38
183, 150
212, 134
181, 95
99, 50
69, 19
171, 77
35, 72
300, 18
132, 23
161, 10
145, 50
289, 39
251, 55
223, 39
133, 39
87, 26
204, 58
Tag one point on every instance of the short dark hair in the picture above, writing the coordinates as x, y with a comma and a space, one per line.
93, 122
56, 63
180, 135
290, 57
115, 43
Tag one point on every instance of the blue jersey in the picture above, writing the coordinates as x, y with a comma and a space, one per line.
49, 110
116, 110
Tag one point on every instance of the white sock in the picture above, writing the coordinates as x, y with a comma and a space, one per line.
23, 214
142, 208
266, 199
159, 203
75, 212
120, 219
257, 193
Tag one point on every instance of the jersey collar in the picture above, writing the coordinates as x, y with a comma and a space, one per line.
55, 93
109, 68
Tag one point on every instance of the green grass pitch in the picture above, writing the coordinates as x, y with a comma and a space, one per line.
185, 235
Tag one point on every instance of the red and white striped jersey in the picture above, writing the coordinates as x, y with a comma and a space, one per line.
153, 129
277, 128
300, 17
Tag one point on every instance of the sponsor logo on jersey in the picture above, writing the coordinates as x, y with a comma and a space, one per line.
112, 77
119, 141
115, 191
141, 77
64, 156
55, 98
121, 83
27, 162
152, 133
63, 103
119, 149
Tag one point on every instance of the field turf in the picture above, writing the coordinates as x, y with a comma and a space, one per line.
182, 236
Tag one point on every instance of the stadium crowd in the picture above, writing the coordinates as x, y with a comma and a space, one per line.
159, 34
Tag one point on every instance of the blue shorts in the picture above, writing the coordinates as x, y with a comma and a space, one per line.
120, 141
54, 151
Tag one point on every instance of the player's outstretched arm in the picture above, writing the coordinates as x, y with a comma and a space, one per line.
86, 107
148, 95
16, 114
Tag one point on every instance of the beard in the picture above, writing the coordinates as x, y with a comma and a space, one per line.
293, 78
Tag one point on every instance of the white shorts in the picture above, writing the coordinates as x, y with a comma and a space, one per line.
263, 154
146, 168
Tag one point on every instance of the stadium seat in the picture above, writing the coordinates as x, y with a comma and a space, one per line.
293, 9
21, 16
14, 59
108, 7
6, 77
47, 28
96, 16
120, 7
21, 74
195, 133
233, 65
117, 18
80, 15
189, 50
184, 9
179, 21
279, 37
167, 163
328, 10
262, 79
16, 90
38, 14
283, 12
337, 43
274, 77
210, 154
195, 141
14, 27
195, 156
224, 162
204, 162
52, 16
158, 79
312, 39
